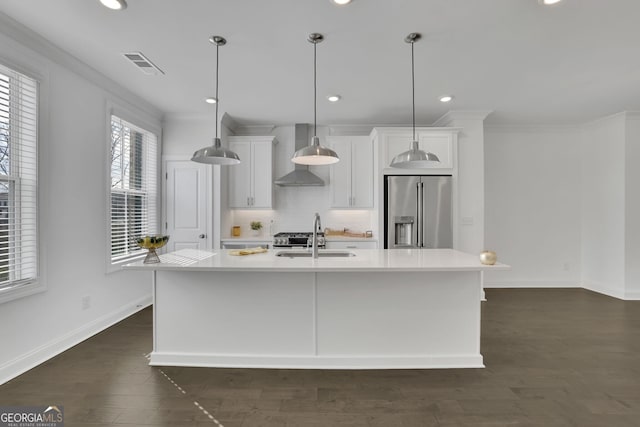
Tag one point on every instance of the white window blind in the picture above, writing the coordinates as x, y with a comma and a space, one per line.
18, 179
134, 187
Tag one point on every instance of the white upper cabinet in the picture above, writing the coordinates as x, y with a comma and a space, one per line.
352, 177
439, 141
251, 181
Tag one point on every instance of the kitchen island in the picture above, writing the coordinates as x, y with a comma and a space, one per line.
377, 309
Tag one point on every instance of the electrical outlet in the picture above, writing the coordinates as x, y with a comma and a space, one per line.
86, 302
467, 220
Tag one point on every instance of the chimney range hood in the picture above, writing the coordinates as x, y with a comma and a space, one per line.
300, 177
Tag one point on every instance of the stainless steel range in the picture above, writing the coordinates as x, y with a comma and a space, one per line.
297, 240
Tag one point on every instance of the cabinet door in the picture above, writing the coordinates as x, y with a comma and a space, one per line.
262, 175
440, 145
394, 145
341, 173
240, 176
361, 172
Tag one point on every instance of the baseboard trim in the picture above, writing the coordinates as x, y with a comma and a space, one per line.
531, 284
35, 357
316, 362
604, 290
632, 296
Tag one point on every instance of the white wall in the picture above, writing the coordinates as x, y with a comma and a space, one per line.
532, 205
73, 210
632, 208
471, 176
603, 195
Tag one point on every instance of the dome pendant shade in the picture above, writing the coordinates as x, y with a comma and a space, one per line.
414, 159
315, 154
216, 155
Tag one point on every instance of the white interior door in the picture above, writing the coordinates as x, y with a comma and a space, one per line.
186, 210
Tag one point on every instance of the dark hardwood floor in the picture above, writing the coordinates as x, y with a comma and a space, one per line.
554, 357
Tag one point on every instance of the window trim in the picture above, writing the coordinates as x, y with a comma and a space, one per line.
148, 123
41, 77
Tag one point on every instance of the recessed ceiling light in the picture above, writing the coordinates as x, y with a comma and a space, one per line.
334, 98
549, 2
210, 100
341, 2
114, 4
446, 98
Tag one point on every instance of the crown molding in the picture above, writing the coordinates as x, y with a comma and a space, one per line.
452, 115
528, 128
350, 130
254, 130
622, 115
26, 37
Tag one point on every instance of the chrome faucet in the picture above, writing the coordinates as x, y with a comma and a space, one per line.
314, 242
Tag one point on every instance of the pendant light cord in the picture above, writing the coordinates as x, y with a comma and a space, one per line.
315, 89
217, 100
413, 92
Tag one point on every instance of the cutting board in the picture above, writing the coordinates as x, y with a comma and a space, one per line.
247, 251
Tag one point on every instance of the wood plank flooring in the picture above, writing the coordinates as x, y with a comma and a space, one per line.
554, 357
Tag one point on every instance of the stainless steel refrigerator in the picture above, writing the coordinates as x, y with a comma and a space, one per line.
418, 212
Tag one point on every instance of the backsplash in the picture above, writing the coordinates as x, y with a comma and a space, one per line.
301, 219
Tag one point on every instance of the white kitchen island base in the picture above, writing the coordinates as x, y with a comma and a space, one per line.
380, 319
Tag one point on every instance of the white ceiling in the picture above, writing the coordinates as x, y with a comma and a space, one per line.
528, 63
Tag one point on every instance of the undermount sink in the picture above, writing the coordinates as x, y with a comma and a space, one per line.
300, 254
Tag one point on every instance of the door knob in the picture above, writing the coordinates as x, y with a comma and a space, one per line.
202, 236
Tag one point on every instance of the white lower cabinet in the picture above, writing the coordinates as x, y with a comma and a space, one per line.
352, 245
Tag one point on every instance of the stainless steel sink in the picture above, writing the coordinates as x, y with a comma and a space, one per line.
329, 254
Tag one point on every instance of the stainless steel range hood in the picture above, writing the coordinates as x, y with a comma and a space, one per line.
300, 177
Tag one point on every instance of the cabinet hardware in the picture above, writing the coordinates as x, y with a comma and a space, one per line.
202, 236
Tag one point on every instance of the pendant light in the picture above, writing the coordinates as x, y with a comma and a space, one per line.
216, 154
315, 154
415, 158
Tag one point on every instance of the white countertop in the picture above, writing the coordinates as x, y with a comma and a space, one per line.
406, 260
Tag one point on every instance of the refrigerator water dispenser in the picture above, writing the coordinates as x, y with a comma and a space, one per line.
404, 230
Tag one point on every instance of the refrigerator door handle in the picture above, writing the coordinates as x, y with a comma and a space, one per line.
422, 214
419, 215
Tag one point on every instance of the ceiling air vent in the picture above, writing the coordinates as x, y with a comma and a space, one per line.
143, 63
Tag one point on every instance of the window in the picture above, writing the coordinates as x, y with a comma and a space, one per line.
18, 180
134, 188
